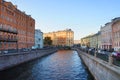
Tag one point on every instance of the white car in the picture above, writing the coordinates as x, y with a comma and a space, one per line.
114, 53
5, 52
101, 52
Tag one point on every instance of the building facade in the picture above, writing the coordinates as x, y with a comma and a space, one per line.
107, 39
106, 36
95, 40
85, 41
116, 33
77, 41
16, 28
61, 38
38, 39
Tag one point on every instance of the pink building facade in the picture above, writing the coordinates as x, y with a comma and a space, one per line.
116, 33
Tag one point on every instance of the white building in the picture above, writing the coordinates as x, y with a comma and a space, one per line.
38, 39
106, 36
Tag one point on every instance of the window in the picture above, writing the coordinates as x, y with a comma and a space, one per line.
39, 39
2, 8
9, 44
0, 45
38, 45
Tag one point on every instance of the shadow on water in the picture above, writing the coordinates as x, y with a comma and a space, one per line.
90, 76
63, 65
14, 72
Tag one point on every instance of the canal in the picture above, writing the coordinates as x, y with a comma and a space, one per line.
62, 65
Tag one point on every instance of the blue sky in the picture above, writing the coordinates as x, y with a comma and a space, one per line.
82, 16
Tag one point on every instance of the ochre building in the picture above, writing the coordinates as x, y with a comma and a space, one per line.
61, 38
16, 28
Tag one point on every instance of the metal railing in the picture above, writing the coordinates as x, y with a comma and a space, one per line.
106, 57
25, 50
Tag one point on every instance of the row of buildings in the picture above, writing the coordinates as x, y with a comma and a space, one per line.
61, 38
107, 38
17, 30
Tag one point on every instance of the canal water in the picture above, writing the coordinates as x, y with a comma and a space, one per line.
62, 65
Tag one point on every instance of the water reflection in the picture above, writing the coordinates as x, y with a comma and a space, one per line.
63, 65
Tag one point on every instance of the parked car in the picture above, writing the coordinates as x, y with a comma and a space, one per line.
5, 52
116, 55
25, 49
101, 52
90, 49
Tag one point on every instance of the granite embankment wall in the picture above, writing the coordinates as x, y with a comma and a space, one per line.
101, 70
11, 60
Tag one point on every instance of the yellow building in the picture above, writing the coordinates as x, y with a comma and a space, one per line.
85, 41
95, 40
61, 38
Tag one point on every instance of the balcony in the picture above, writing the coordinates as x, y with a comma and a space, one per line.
4, 39
8, 30
12, 40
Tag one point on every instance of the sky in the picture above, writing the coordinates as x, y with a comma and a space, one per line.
84, 17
